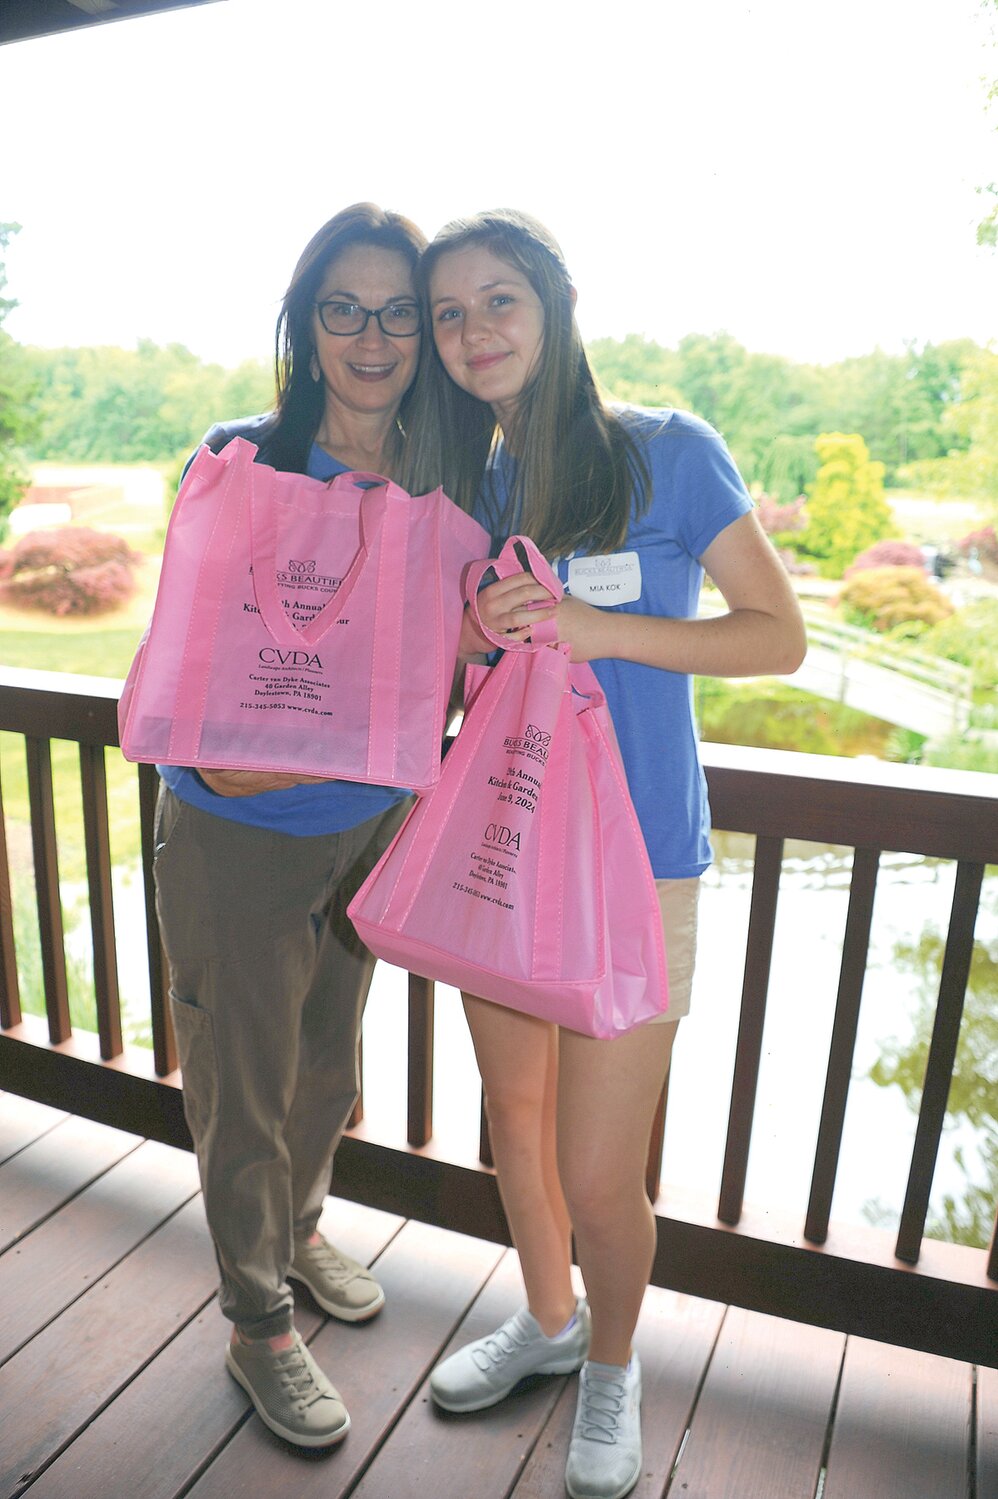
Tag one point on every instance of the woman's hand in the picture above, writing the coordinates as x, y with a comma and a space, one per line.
513, 606
252, 782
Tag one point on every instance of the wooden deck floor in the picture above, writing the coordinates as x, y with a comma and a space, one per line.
112, 1382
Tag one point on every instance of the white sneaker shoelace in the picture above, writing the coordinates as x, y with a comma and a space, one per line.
325, 1258
602, 1401
297, 1377
502, 1345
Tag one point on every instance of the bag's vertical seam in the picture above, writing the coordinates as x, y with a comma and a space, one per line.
214, 610
386, 646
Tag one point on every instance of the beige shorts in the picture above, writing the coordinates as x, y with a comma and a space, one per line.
678, 899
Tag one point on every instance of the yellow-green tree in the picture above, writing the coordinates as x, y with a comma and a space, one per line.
847, 510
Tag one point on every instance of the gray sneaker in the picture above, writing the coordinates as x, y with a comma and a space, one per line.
291, 1394
341, 1286
485, 1371
604, 1458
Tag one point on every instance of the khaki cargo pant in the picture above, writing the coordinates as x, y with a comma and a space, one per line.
268, 986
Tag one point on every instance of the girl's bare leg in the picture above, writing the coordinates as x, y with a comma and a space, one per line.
608, 1092
518, 1059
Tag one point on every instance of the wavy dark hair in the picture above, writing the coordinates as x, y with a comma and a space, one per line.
300, 399
579, 475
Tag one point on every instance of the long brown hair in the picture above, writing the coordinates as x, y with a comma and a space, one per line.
579, 475
300, 399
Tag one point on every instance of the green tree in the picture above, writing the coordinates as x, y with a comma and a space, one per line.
766, 413
708, 366
936, 373
764, 406
16, 423
636, 369
247, 389
846, 507
107, 405
787, 467
871, 395
970, 468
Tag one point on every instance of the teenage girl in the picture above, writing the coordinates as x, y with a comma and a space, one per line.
518, 433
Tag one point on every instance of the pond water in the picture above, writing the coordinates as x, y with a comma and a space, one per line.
913, 900
775, 715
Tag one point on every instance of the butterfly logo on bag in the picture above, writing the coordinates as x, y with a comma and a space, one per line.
303, 574
533, 743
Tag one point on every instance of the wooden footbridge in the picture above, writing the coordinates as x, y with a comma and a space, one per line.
889, 680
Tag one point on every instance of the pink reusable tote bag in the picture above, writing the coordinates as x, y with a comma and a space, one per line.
523, 877
301, 626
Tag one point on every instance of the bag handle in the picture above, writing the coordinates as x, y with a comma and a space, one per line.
585, 683
507, 565
376, 495
235, 465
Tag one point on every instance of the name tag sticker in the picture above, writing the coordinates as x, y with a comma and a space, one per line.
615, 579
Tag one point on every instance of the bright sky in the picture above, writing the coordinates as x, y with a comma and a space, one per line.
801, 175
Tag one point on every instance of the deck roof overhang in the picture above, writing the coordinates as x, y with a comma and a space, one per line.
21, 19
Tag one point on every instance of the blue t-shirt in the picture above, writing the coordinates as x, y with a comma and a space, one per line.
302, 811
696, 491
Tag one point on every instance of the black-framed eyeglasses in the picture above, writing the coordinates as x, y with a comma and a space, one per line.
347, 319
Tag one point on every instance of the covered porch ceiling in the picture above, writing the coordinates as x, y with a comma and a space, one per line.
21, 19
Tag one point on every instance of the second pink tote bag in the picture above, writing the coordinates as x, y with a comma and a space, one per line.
523, 877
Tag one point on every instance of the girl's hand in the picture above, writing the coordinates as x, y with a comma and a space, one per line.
586, 629
512, 607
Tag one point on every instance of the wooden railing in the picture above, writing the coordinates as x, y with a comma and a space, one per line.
905, 1289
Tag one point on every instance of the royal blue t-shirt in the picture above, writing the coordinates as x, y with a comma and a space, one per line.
696, 491
302, 811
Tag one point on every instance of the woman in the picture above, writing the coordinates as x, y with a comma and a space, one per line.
528, 443
254, 873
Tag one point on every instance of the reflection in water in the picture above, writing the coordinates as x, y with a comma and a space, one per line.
966, 1218
911, 908
774, 715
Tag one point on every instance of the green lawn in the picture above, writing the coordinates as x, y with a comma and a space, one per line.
94, 647
90, 648
99, 652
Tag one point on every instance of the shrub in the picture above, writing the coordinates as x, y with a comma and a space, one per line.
881, 598
888, 554
794, 564
68, 570
970, 638
777, 519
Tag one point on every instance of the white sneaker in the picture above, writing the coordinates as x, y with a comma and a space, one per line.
604, 1459
486, 1371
